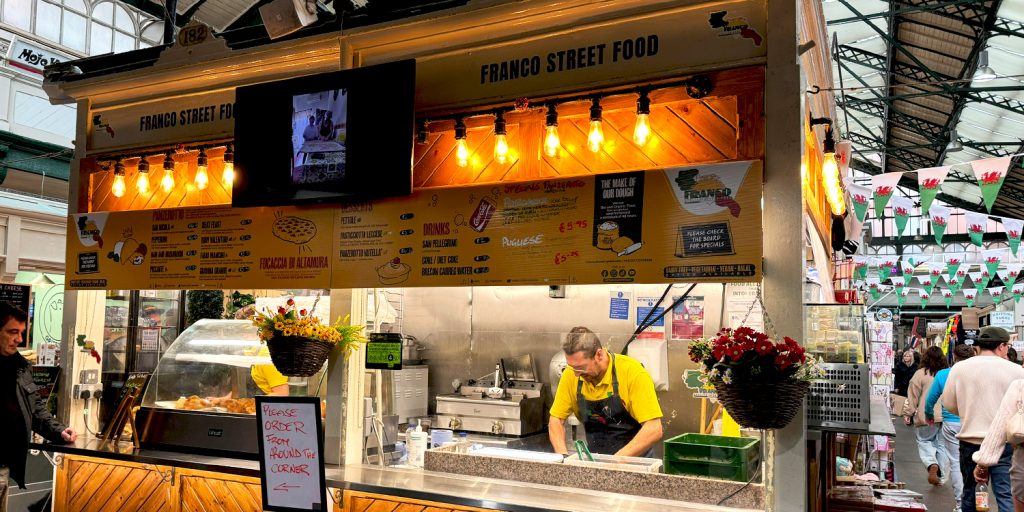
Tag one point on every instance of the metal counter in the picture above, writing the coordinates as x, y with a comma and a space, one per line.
408, 483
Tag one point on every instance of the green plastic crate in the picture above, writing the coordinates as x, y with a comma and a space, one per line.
712, 449
737, 472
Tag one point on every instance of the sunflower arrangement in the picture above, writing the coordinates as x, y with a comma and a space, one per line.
289, 321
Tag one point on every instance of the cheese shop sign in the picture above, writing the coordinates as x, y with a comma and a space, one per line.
691, 223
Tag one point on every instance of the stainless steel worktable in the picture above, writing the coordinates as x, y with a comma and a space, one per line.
408, 483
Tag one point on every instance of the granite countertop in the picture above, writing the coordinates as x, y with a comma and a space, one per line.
686, 490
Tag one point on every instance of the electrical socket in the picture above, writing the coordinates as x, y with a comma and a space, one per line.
89, 377
83, 391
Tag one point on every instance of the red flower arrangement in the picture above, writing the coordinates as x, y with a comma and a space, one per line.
744, 355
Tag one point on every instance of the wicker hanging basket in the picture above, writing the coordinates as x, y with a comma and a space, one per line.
298, 356
764, 405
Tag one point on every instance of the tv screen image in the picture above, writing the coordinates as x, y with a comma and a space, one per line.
318, 137
333, 137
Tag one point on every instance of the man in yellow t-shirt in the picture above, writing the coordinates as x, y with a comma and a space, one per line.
267, 378
612, 394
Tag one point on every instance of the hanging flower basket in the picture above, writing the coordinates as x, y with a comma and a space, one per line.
764, 406
298, 356
299, 342
760, 381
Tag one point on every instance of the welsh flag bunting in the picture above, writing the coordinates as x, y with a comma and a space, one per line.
901, 297
883, 185
1018, 290
874, 288
926, 295
976, 223
990, 173
901, 209
885, 267
859, 196
929, 182
860, 267
997, 293
993, 258
952, 263
1004, 274
908, 271
969, 296
939, 218
976, 279
1012, 271
986, 276
1013, 229
954, 283
947, 296
899, 286
927, 282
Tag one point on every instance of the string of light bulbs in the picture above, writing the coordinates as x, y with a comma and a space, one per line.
697, 87
168, 179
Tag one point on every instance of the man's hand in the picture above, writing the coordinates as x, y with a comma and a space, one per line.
980, 474
907, 421
69, 435
931, 422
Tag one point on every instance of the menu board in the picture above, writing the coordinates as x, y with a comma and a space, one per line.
696, 223
209, 247
690, 223
291, 453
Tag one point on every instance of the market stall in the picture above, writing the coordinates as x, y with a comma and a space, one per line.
563, 175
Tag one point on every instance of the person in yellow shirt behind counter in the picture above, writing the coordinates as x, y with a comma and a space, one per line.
267, 378
612, 394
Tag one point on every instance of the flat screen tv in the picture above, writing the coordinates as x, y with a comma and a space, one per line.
327, 138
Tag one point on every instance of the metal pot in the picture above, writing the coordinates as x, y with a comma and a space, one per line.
411, 350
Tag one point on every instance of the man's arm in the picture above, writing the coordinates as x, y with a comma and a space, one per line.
650, 433
949, 393
556, 434
44, 424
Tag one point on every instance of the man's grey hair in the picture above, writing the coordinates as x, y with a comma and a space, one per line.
581, 339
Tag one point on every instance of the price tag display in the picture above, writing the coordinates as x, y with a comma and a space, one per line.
384, 355
291, 453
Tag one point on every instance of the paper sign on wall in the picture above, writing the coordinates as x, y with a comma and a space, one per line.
1002, 319
618, 308
291, 453
688, 318
646, 310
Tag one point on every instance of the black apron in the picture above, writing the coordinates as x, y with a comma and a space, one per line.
607, 422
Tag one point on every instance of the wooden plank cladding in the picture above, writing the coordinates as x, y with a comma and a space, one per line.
726, 125
85, 484
354, 501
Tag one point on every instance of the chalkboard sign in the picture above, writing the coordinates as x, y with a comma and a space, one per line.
46, 377
291, 454
19, 296
714, 239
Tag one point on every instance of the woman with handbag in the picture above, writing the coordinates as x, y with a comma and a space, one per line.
929, 443
1007, 427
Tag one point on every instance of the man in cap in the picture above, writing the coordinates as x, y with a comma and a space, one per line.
974, 389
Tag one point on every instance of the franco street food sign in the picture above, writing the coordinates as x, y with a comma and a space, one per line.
690, 223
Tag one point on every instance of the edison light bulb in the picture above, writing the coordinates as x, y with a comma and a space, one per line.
202, 178
229, 172
461, 152
118, 188
551, 141
642, 130
834, 191
142, 182
596, 136
167, 182
500, 148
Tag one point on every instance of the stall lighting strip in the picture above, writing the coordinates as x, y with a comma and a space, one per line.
116, 164
697, 87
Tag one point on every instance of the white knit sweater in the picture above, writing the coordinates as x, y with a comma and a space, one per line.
992, 448
975, 389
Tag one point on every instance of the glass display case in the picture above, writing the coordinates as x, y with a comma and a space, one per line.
835, 332
201, 396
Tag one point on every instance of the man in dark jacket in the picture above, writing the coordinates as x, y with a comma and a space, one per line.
22, 409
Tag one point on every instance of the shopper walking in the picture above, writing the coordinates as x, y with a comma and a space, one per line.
974, 391
24, 411
905, 368
929, 443
995, 444
950, 422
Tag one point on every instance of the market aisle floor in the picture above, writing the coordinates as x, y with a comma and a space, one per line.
910, 471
